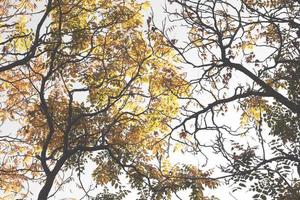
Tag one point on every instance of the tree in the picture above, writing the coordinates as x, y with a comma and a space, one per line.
246, 55
86, 84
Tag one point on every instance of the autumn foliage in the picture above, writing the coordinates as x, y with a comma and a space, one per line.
87, 83
99, 84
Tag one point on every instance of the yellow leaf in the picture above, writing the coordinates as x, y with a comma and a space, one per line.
146, 5
6, 85
247, 46
178, 147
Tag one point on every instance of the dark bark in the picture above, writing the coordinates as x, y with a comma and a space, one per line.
44, 193
279, 97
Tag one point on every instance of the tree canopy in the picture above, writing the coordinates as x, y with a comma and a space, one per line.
96, 84
246, 92
87, 83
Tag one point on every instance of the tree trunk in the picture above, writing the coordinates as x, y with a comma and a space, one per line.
43, 195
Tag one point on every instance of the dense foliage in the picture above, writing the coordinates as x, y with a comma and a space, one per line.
87, 83
96, 84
